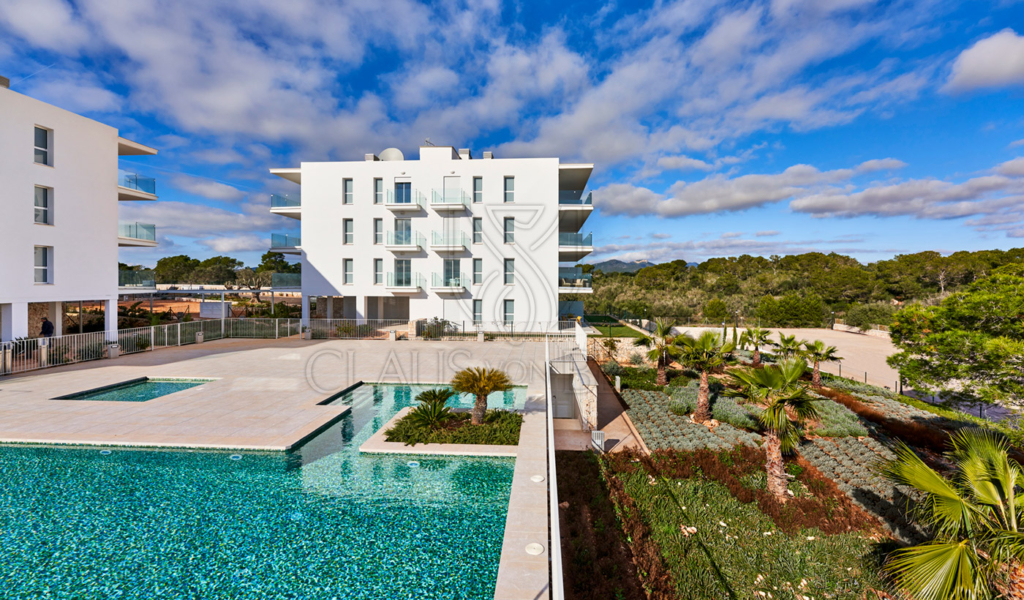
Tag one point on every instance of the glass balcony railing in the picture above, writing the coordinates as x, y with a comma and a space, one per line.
405, 280
439, 280
451, 197
134, 181
405, 197
575, 239
281, 240
285, 201
404, 238
448, 238
136, 279
575, 197
574, 277
137, 231
285, 280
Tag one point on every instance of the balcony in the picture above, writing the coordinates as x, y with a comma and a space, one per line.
404, 241
132, 186
404, 283
288, 205
574, 207
572, 280
285, 244
450, 200
449, 241
286, 281
136, 280
575, 198
449, 284
574, 246
410, 201
136, 235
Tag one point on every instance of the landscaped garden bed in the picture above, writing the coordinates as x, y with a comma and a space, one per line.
500, 428
662, 429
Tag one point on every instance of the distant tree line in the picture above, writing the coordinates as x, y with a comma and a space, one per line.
219, 270
801, 290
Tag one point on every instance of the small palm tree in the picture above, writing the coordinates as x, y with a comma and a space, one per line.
662, 349
817, 352
788, 346
977, 517
703, 354
435, 396
480, 382
786, 405
756, 337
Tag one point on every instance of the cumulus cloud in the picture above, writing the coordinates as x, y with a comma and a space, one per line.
207, 188
49, 24
996, 61
880, 164
683, 163
662, 251
767, 233
74, 92
238, 243
1012, 168
193, 221
661, 236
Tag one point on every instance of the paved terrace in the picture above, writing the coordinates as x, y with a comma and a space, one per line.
264, 398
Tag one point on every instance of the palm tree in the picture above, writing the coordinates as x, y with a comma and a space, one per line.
786, 404
788, 346
480, 382
817, 352
977, 517
703, 354
756, 337
662, 349
435, 396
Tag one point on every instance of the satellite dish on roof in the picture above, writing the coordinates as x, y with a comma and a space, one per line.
392, 154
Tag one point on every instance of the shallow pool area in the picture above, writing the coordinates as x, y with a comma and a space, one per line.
137, 390
321, 522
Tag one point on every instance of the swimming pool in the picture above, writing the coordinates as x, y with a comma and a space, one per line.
137, 390
321, 522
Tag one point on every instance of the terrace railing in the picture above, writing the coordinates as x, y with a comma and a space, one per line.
451, 198
285, 201
443, 329
136, 279
358, 329
137, 231
575, 239
577, 197
285, 280
134, 181
281, 240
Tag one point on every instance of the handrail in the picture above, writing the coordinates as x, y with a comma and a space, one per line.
554, 529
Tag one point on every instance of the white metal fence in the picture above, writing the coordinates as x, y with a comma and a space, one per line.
555, 534
441, 329
357, 329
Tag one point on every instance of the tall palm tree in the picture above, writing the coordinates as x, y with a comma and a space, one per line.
756, 337
786, 403
977, 517
662, 349
817, 352
703, 354
480, 382
788, 346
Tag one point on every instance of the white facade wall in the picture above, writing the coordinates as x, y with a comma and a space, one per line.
535, 250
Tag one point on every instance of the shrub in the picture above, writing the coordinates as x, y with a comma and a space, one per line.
723, 408
612, 368
837, 421
500, 427
636, 359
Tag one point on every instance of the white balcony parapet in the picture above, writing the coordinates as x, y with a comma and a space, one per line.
404, 241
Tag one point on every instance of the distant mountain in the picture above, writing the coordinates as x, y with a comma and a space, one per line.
621, 266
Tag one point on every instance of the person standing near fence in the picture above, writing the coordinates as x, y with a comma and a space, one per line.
47, 329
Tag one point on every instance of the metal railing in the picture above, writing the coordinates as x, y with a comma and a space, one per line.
282, 240
574, 277
405, 280
145, 279
285, 280
575, 239
358, 329
134, 181
439, 280
39, 353
285, 201
449, 238
451, 197
443, 329
137, 231
414, 198
412, 239
575, 197
555, 534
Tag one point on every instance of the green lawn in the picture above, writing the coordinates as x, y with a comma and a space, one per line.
616, 330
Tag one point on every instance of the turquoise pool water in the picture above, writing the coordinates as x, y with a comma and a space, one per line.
137, 390
321, 522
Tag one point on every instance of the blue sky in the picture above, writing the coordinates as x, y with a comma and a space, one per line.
717, 128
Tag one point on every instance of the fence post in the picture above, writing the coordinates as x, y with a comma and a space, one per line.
276, 323
865, 376
179, 334
152, 338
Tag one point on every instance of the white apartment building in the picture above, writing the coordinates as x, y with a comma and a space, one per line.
60, 188
476, 242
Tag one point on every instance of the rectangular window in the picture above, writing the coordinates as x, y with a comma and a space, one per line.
44, 256
378, 231
478, 230
478, 312
510, 230
347, 186
43, 146
478, 271
403, 192
43, 208
478, 190
378, 271
378, 191
453, 272
510, 271
348, 271
403, 272
510, 189
510, 311
403, 232
348, 231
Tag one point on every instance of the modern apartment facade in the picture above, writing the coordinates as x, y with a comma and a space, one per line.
477, 242
60, 188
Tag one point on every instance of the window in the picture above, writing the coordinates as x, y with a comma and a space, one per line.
478, 271
43, 146
403, 272
510, 311
403, 232
403, 192
510, 189
378, 231
378, 271
378, 191
348, 271
478, 312
348, 231
453, 272
478, 190
510, 230
478, 230
347, 186
44, 256
510, 271
43, 212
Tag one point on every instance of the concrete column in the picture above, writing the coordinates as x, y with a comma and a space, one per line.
330, 307
110, 319
305, 310
56, 316
13, 321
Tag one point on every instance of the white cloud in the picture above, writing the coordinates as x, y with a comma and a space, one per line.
880, 164
767, 233
207, 188
1016, 143
996, 61
239, 243
1012, 168
194, 221
661, 236
49, 24
72, 92
683, 163
661, 251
